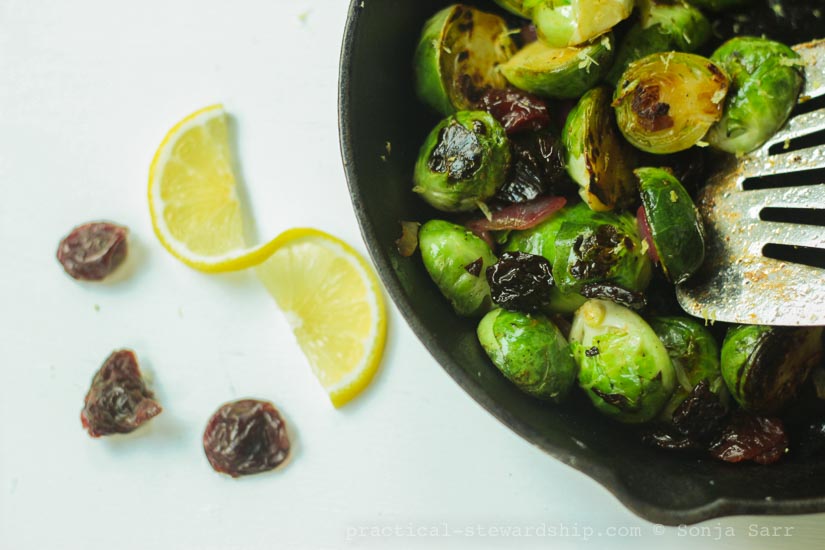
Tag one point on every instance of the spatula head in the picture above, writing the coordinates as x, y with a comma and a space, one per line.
738, 283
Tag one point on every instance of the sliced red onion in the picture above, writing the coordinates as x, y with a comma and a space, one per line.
518, 216
644, 230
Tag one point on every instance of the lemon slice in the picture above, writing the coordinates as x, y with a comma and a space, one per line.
193, 199
334, 304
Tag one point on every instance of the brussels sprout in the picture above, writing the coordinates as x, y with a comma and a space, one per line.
515, 7
559, 72
458, 56
675, 223
530, 351
695, 357
766, 78
607, 248
457, 260
666, 102
561, 23
598, 159
623, 366
764, 367
463, 162
665, 25
719, 5
540, 240
609, 251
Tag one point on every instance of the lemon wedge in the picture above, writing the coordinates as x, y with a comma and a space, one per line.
333, 302
193, 198
328, 292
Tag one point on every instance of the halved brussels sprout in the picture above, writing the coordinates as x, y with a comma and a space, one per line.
530, 351
515, 7
694, 354
458, 56
559, 72
457, 260
764, 367
597, 157
605, 249
463, 162
623, 366
584, 246
766, 78
664, 25
666, 102
561, 23
675, 223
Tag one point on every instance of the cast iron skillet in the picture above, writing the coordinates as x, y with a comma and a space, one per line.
382, 126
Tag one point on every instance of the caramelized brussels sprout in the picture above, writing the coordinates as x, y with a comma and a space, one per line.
565, 72
675, 223
463, 162
458, 56
623, 366
764, 367
694, 354
666, 102
530, 351
603, 249
766, 78
664, 25
583, 247
561, 23
457, 260
598, 159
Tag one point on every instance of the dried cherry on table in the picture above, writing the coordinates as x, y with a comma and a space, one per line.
246, 437
92, 251
118, 400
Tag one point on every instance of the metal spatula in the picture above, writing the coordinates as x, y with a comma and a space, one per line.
738, 283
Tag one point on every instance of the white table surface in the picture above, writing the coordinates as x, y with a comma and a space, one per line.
87, 90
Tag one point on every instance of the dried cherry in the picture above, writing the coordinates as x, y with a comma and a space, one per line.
750, 437
537, 167
93, 250
520, 282
516, 110
118, 401
246, 437
701, 415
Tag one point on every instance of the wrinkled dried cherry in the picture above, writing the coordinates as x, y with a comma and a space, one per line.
701, 415
537, 168
246, 437
93, 251
749, 437
520, 281
118, 400
516, 110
